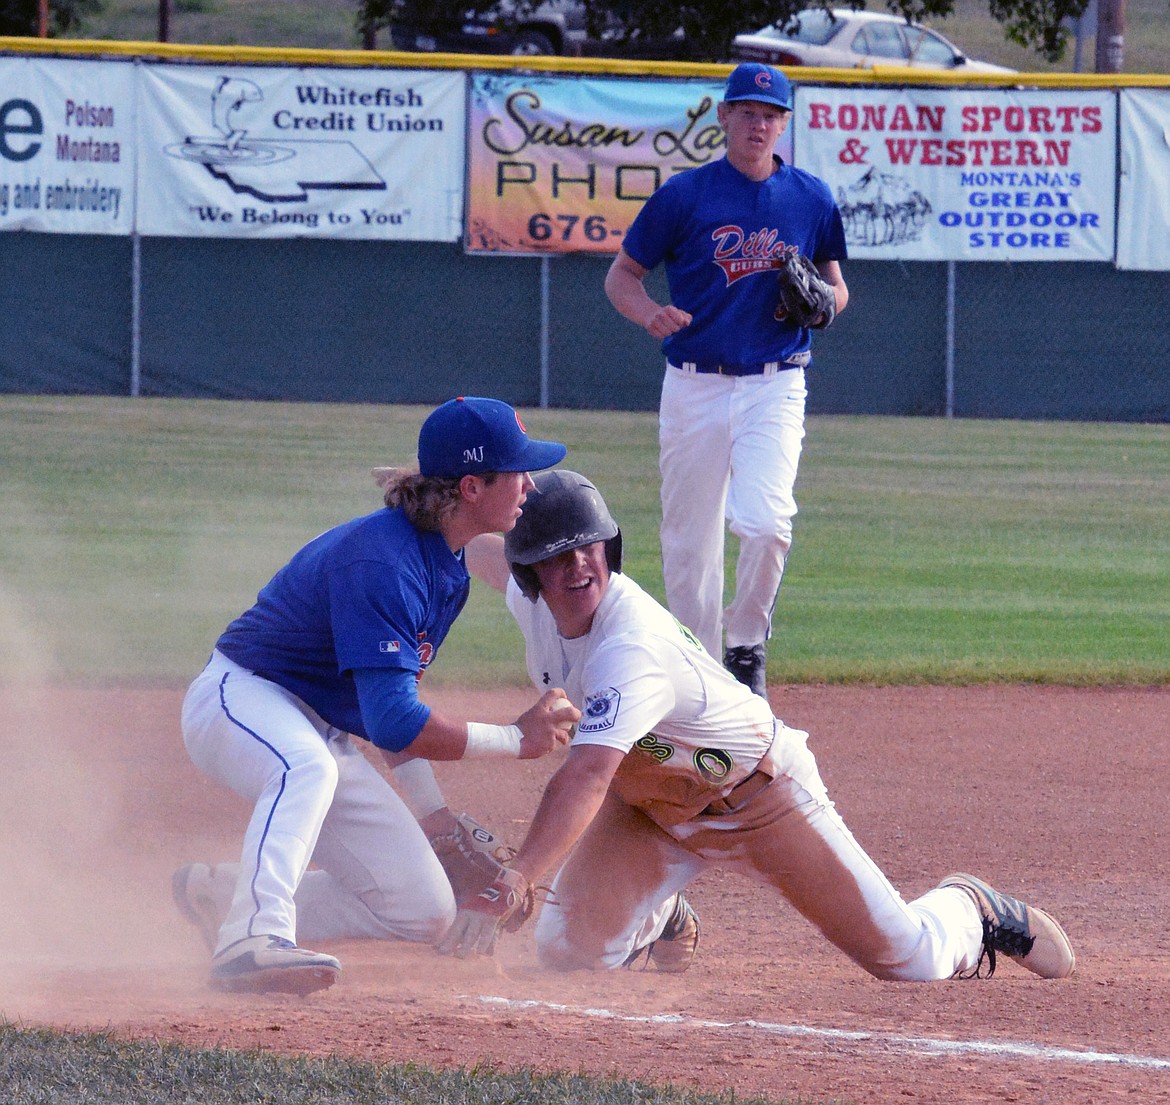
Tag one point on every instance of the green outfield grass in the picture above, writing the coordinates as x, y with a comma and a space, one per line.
926, 550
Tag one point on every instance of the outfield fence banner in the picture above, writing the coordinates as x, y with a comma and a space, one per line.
1143, 201
966, 174
276, 152
560, 165
66, 146
533, 163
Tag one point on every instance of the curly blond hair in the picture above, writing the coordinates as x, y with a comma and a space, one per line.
426, 500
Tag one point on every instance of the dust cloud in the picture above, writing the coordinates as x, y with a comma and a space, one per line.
99, 806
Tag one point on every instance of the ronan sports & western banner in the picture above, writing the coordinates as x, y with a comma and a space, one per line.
965, 174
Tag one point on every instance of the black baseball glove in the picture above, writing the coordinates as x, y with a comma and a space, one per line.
805, 297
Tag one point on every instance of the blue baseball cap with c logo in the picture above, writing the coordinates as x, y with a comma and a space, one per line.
469, 435
755, 81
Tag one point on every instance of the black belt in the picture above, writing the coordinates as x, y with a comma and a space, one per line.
717, 368
763, 368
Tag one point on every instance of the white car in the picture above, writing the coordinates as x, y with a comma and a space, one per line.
847, 39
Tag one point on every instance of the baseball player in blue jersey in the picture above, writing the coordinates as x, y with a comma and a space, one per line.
677, 769
335, 645
731, 419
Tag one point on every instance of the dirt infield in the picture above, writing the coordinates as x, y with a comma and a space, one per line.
1056, 794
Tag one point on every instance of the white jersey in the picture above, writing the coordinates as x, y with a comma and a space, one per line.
646, 686
690, 732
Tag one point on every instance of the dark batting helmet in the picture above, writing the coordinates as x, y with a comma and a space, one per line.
563, 512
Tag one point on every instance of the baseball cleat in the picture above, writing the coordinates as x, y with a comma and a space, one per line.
749, 664
675, 948
192, 888
1022, 932
271, 964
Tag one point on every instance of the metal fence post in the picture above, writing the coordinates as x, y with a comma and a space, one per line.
545, 266
950, 385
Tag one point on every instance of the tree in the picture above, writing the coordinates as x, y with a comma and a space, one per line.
20, 17
710, 25
1038, 25
376, 15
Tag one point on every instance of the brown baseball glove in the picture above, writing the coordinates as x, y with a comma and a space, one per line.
471, 855
505, 905
804, 297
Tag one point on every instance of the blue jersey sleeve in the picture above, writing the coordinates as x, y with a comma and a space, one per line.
390, 707
831, 244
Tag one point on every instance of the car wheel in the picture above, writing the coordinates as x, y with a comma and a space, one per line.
532, 43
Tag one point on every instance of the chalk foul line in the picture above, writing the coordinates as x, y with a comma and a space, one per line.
1011, 1049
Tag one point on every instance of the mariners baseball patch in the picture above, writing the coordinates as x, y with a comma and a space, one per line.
601, 710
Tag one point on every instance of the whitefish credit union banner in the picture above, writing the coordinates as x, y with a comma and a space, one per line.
66, 146
965, 174
332, 153
560, 165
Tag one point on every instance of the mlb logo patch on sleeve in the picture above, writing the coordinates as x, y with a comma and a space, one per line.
601, 710
389, 646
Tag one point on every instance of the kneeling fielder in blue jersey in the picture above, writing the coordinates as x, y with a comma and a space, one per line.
335, 645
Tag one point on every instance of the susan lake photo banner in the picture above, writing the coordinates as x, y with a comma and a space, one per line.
561, 165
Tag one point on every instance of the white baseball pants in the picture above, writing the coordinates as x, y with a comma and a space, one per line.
316, 797
789, 836
728, 452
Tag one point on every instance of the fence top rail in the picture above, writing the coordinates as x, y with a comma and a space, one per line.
398, 59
